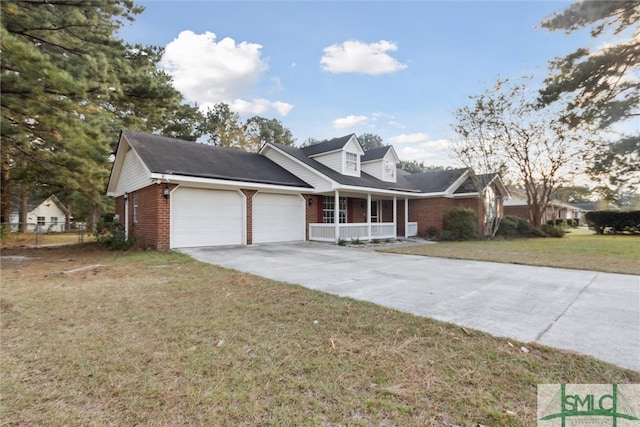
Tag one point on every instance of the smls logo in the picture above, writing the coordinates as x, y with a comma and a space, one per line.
588, 405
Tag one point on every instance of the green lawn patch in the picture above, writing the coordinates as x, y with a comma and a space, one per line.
579, 249
151, 339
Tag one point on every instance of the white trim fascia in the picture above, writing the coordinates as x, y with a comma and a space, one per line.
458, 182
476, 194
325, 152
304, 165
227, 184
112, 193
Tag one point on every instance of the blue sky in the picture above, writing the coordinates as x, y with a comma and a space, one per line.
327, 69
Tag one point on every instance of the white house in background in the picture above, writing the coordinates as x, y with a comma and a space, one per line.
49, 215
556, 209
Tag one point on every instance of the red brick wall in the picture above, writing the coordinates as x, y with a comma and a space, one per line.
313, 212
154, 224
249, 231
522, 211
429, 212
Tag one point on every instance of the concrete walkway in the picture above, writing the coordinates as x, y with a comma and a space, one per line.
596, 314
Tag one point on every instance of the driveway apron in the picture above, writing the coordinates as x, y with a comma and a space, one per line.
596, 314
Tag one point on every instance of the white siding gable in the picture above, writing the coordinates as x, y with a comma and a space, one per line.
385, 168
342, 162
301, 171
134, 174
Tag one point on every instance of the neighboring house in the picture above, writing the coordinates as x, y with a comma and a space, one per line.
46, 216
172, 193
555, 209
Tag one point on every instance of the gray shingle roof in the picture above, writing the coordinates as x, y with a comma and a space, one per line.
364, 180
326, 146
434, 181
468, 186
375, 153
174, 156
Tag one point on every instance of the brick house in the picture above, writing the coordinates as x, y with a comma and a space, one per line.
171, 193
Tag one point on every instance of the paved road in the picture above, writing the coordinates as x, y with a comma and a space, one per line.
592, 313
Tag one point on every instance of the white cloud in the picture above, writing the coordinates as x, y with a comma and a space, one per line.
358, 57
349, 121
259, 106
419, 147
411, 138
208, 71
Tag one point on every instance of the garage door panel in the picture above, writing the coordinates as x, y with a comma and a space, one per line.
278, 218
203, 217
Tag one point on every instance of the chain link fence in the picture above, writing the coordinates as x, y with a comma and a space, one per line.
42, 233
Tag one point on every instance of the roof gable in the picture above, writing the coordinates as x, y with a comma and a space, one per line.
364, 180
163, 155
382, 153
435, 181
328, 146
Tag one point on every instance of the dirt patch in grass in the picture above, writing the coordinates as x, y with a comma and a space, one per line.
159, 339
612, 254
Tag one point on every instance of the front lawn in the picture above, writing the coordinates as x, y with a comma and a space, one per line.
580, 249
91, 337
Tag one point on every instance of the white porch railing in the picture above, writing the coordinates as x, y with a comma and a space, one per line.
354, 231
412, 229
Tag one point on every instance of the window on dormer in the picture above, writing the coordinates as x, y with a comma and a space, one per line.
389, 168
351, 162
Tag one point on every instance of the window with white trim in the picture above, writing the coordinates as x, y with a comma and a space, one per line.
389, 168
54, 220
328, 211
351, 160
42, 221
135, 206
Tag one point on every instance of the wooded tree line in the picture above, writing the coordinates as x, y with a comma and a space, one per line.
69, 85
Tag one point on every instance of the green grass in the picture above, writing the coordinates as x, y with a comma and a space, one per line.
580, 249
157, 339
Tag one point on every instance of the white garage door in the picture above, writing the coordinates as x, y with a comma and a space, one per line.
206, 218
278, 218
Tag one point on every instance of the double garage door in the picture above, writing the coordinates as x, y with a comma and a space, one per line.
201, 217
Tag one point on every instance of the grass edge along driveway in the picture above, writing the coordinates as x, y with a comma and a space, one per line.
145, 338
579, 250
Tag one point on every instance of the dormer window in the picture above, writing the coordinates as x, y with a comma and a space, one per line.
351, 162
389, 169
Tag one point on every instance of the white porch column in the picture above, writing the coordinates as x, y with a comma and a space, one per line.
395, 215
406, 217
369, 215
336, 213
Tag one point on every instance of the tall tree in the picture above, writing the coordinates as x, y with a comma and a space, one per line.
503, 131
259, 130
602, 85
223, 127
57, 57
414, 166
68, 86
370, 141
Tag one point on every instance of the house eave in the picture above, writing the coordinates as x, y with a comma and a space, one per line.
227, 183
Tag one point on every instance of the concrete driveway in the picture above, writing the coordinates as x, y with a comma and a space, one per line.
596, 314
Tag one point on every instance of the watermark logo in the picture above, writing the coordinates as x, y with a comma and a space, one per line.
574, 405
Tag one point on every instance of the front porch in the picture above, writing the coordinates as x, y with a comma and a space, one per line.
382, 218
